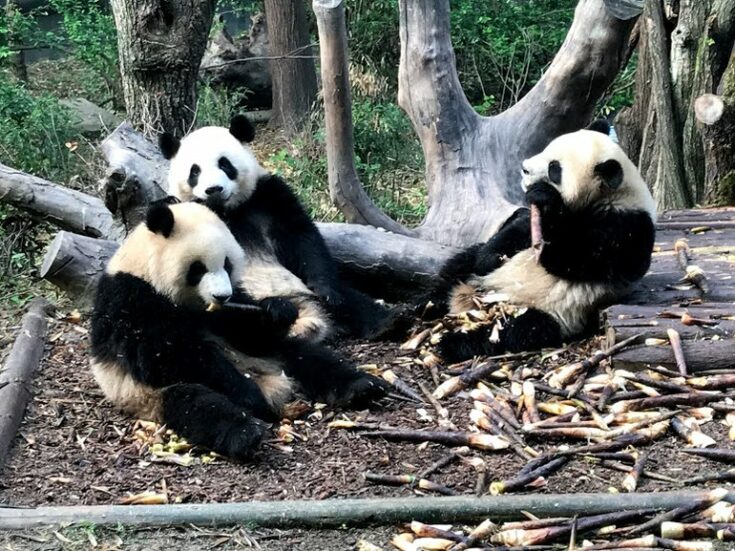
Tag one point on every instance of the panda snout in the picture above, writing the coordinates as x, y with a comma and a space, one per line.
222, 298
213, 190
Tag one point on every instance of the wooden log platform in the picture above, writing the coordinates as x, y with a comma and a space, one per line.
661, 302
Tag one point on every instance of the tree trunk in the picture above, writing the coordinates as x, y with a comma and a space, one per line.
345, 189
660, 130
472, 162
161, 44
292, 67
16, 57
719, 146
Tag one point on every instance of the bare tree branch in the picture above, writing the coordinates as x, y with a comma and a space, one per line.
344, 185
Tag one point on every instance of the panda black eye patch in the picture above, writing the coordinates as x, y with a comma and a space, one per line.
194, 175
228, 266
226, 166
555, 172
196, 273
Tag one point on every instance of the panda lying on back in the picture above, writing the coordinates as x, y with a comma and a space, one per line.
597, 221
210, 376
285, 252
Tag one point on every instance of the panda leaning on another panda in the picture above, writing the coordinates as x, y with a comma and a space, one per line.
597, 221
285, 252
211, 376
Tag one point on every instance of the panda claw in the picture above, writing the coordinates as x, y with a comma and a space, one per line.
362, 390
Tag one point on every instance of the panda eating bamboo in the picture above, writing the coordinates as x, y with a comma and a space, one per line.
213, 375
286, 254
597, 224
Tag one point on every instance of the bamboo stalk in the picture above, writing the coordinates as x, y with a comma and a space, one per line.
678, 512
408, 480
675, 341
474, 440
352, 512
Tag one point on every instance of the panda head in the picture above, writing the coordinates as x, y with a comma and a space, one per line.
589, 168
185, 252
213, 164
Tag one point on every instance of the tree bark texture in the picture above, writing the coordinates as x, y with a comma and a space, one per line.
660, 130
18, 371
345, 189
292, 68
161, 43
719, 145
74, 263
473, 162
64, 207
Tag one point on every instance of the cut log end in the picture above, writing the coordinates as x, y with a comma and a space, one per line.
709, 108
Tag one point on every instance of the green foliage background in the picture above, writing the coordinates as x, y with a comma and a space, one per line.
502, 47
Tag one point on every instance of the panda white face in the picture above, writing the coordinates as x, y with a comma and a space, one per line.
186, 253
588, 167
212, 164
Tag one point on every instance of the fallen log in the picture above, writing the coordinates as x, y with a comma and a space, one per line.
700, 356
16, 376
352, 512
74, 263
389, 265
66, 208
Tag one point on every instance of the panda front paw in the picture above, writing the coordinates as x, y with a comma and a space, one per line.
243, 438
545, 196
460, 346
360, 390
281, 312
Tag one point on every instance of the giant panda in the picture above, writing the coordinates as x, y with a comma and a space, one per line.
285, 253
597, 222
158, 352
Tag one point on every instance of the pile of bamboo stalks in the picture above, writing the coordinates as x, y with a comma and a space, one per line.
692, 526
584, 408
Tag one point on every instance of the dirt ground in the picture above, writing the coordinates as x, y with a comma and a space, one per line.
75, 448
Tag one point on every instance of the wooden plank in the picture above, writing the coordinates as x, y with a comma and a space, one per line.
624, 321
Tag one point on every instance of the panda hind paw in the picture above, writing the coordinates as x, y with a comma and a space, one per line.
360, 391
243, 438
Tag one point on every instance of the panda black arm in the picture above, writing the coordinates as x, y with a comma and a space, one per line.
482, 258
161, 344
597, 244
258, 328
299, 245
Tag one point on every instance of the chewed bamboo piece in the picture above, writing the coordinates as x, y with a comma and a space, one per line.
537, 238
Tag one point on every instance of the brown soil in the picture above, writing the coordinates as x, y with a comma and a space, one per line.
75, 448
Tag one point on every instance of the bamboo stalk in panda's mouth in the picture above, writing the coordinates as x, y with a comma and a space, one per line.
214, 306
537, 238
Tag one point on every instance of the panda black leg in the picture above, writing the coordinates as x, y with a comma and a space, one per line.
365, 318
327, 377
207, 418
532, 330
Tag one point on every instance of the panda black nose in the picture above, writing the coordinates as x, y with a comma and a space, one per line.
222, 298
212, 190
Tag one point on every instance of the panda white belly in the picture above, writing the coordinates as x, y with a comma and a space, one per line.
265, 277
527, 283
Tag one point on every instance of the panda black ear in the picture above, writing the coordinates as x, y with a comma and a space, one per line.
169, 145
611, 173
601, 126
160, 219
242, 129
